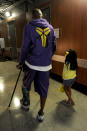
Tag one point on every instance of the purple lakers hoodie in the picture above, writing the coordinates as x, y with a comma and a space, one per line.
41, 34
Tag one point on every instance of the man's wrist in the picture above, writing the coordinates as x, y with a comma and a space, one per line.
20, 63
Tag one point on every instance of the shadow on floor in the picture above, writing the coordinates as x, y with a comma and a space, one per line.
18, 120
64, 114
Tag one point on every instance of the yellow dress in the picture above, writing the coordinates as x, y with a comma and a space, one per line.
68, 73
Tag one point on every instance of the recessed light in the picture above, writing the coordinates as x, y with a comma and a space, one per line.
8, 14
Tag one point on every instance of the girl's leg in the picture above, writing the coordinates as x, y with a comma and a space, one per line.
69, 94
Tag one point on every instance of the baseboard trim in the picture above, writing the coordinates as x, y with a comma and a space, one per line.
77, 86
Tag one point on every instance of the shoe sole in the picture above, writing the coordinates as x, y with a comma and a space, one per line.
40, 120
25, 108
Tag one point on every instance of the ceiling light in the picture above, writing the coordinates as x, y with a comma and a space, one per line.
8, 14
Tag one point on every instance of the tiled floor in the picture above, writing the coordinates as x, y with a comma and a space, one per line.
57, 116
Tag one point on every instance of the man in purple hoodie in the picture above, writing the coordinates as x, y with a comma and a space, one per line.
39, 34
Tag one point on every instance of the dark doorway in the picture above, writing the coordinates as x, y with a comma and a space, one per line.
12, 39
46, 13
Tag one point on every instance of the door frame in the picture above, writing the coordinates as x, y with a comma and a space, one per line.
15, 37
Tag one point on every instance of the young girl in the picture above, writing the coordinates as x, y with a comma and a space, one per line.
69, 74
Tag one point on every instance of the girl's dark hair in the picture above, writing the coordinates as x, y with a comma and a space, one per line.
72, 59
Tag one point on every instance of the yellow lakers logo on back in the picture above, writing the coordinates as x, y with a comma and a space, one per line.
43, 33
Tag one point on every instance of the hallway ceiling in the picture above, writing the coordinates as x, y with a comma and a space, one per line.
5, 4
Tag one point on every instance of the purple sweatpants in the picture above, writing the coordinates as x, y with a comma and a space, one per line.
41, 81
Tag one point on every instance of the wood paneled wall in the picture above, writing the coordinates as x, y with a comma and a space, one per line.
4, 32
70, 16
43, 5
20, 22
57, 68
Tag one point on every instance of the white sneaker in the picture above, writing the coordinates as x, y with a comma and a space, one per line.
40, 117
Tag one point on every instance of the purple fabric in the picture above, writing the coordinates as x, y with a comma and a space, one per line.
40, 56
41, 81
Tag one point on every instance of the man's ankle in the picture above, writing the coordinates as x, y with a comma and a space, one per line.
41, 112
